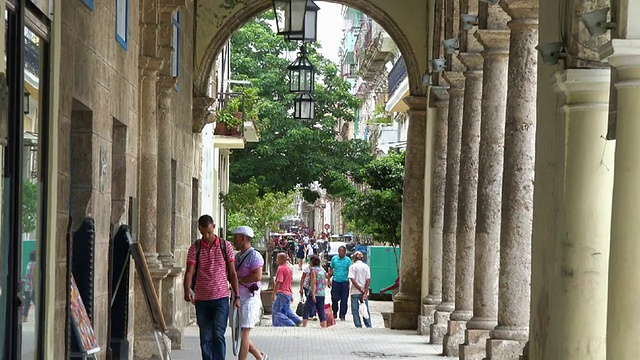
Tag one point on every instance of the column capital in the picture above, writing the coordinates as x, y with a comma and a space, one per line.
571, 81
166, 84
621, 52
201, 114
521, 9
472, 61
170, 5
150, 65
584, 89
455, 80
416, 103
440, 96
494, 41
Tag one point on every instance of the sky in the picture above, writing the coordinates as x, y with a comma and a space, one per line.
330, 29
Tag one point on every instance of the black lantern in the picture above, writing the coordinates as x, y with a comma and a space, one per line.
310, 33
304, 107
290, 16
301, 73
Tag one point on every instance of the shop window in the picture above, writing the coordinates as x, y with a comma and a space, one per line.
90, 4
175, 42
122, 23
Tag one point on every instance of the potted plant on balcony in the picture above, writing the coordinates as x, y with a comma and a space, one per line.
227, 124
230, 119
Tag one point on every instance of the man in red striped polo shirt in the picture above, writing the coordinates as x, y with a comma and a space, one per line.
211, 261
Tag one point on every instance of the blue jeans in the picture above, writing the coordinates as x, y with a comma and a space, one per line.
355, 307
339, 293
283, 315
212, 317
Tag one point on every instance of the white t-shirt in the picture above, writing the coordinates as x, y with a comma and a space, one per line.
359, 272
309, 250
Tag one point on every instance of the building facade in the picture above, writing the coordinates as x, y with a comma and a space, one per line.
122, 98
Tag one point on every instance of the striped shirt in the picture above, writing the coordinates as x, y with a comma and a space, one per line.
211, 279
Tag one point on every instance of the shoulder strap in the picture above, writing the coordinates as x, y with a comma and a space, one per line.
223, 248
195, 273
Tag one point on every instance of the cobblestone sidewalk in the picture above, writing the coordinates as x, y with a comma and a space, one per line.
333, 343
342, 341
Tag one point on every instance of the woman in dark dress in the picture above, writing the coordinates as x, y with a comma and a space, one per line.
300, 255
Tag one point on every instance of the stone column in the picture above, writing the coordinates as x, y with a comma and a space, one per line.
623, 313
491, 157
164, 212
454, 135
510, 335
171, 294
440, 98
148, 175
583, 250
406, 305
467, 201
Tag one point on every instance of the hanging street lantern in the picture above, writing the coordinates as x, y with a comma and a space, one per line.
301, 73
304, 107
290, 15
310, 33
25, 103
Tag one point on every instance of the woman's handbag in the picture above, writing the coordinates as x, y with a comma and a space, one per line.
300, 307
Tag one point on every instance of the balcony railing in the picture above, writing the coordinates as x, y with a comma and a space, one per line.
397, 75
32, 57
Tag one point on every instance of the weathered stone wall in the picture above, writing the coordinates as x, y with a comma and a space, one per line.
98, 131
187, 157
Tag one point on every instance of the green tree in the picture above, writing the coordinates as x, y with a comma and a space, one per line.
292, 152
246, 206
29, 206
378, 210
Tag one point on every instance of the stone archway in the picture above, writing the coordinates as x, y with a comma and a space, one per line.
407, 25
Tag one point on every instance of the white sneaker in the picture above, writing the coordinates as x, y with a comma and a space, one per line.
265, 357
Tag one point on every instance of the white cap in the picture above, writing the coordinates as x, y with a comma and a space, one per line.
244, 230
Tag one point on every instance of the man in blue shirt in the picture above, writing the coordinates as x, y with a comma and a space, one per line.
340, 287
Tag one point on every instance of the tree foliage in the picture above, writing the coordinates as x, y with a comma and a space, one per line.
378, 210
247, 206
292, 152
29, 206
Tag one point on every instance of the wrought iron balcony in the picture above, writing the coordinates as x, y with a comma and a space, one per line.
397, 74
32, 57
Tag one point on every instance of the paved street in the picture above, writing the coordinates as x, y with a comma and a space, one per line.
342, 341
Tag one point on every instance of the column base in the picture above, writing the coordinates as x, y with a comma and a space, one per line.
168, 261
454, 337
498, 349
429, 311
439, 327
475, 345
405, 314
403, 321
145, 347
176, 336
525, 352
424, 326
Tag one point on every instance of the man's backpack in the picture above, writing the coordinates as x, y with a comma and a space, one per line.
223, 248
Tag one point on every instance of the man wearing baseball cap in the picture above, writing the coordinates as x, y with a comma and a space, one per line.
249, 265
360, 278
